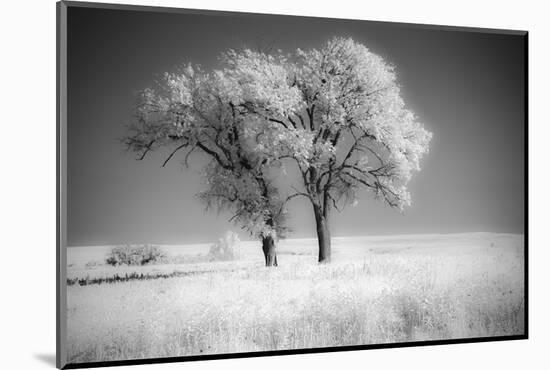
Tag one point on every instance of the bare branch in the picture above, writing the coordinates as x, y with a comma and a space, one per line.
333, 202
301, 120
296, 195
147, 150
292, 122
172, 154
185, 160
362, 181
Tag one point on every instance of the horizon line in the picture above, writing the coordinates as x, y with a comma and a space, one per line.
308, 238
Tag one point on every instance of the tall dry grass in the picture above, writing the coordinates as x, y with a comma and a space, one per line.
380, 299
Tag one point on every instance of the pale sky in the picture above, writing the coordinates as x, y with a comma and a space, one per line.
466, 87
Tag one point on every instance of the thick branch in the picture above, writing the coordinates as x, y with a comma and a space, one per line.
215, 155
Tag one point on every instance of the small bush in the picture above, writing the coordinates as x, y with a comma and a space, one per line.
92, 264
135, 255
226, 248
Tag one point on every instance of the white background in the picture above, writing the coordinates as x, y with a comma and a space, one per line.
27, 209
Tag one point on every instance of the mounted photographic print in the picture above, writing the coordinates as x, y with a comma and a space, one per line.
236, 185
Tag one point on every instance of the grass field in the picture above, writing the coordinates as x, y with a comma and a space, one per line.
377, 290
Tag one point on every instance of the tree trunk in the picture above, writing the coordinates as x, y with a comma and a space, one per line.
270, 254
323, 235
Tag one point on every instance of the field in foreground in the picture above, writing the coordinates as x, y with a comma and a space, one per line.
377, 290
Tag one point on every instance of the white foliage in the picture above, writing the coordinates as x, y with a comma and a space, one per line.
336, 111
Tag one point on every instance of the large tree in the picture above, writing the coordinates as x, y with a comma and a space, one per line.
350, 131
193, 111
335, 113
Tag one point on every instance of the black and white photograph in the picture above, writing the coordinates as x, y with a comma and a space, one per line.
242, 184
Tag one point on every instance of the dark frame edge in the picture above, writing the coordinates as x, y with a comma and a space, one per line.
160, 360
526, 185
61, 158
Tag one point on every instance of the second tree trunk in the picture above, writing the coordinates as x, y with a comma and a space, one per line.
270, 254
323, 235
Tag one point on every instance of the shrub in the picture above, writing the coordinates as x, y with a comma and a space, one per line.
92, 264
134, 255
226, 248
